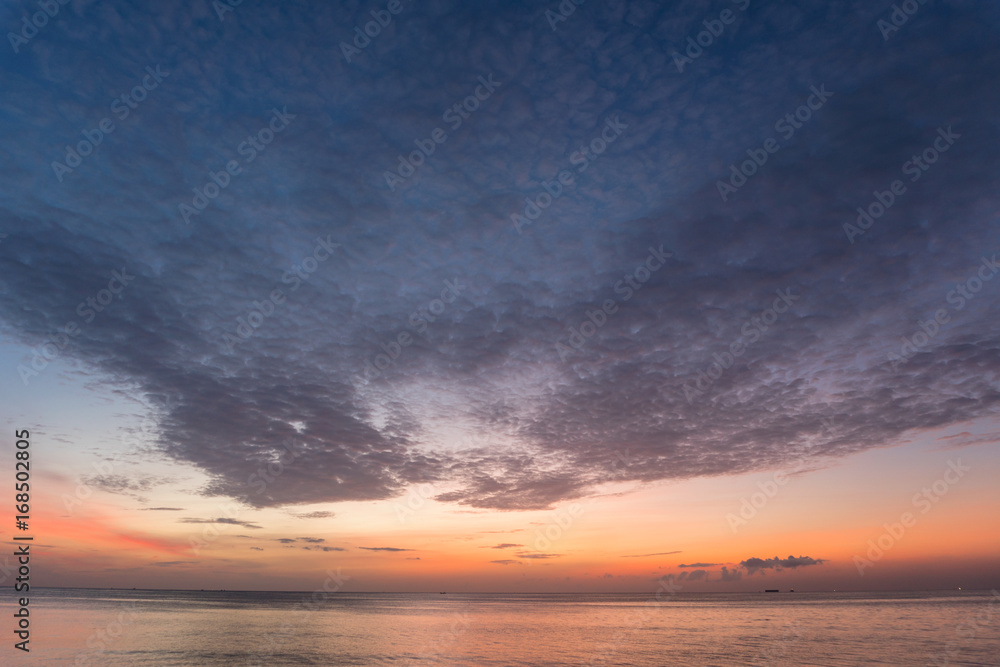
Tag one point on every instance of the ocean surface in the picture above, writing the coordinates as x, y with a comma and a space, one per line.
138, 628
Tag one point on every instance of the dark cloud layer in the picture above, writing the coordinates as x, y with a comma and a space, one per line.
288, 416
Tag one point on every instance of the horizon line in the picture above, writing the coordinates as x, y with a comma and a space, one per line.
762, 591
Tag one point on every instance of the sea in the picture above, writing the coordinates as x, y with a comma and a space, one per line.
83, 627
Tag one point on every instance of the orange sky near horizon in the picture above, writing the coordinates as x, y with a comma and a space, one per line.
621, 539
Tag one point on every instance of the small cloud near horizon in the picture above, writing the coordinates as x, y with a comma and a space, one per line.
232, 522
314, 515
754, 565
663, 553
538, 556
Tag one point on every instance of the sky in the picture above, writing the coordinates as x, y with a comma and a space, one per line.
503, 296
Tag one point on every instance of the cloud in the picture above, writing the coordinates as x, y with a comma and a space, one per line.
505, 545
315, 515
753, 565
385, 549
413, 558
966, 439
163, 509
173, 563
292, 542
256, 548
124, 485
538, 556
507, 561
731, 575
699, 565
662, 553
227, 520
815, 384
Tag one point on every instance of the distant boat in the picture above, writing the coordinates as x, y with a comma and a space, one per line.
442, 593
771, 590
